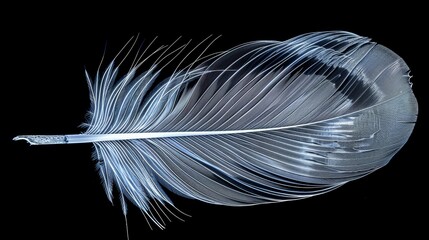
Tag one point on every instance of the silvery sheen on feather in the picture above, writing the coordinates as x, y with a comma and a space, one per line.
265, 121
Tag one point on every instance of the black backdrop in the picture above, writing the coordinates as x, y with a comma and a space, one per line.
53, 192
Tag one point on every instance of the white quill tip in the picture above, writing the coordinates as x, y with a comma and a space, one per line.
42, 139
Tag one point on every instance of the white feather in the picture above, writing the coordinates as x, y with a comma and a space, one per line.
263, 122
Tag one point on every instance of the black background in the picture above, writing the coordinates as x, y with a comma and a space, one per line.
53, 192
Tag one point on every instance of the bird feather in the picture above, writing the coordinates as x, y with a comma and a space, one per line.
263, 122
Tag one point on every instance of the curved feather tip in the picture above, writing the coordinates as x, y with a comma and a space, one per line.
263, 122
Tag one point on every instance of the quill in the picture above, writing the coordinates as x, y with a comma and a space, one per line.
263, 122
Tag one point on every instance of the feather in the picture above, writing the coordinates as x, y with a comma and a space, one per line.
263, 122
